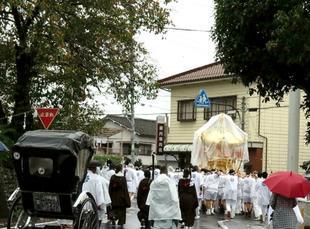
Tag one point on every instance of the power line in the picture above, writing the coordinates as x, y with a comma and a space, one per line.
252, 109
188, 30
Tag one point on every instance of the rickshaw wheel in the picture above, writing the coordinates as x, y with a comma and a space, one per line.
88, 215
18, 218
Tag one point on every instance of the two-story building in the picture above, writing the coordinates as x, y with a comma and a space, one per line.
265, 123
115, 137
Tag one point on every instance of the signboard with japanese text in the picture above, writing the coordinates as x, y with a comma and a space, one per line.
47, 115
160, 138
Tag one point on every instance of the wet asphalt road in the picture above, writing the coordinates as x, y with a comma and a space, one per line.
132, 222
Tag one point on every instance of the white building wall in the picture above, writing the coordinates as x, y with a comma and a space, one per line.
125, 137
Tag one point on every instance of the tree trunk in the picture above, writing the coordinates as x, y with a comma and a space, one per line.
22, 105
3, 119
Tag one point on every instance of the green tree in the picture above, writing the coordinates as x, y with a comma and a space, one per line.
266, 44
55, 53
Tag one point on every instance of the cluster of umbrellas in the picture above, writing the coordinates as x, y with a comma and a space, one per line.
288, 184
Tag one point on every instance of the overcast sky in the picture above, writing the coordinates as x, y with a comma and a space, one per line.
178, 51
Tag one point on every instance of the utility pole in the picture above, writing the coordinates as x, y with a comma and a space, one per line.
243, 109
293, 130
132, 121
132, 86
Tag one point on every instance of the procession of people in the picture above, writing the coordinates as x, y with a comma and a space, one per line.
177, 198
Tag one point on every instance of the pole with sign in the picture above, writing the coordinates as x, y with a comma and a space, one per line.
47, 115
202, 99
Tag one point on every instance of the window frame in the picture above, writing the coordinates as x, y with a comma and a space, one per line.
193, 111
208, 113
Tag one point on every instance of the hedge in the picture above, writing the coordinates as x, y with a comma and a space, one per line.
116, 159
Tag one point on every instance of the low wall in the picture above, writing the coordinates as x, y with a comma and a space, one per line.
8, 184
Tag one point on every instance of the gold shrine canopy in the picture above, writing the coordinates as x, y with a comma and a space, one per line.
220, 144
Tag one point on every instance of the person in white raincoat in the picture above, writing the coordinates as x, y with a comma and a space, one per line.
231, 193
163, 200
248, 183
156, 172
254, 195
263, 196
106, 196
211, 189
93, 185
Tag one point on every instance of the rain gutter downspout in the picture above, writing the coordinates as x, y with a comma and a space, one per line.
259, 133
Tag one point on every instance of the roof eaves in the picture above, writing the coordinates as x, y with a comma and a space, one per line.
189, 81
188, 71
122, 125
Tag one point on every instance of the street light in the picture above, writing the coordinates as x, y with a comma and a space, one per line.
153, 164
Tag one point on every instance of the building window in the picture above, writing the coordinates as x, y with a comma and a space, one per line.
145, 149
141, 149
186, 110
126, 148
219, 105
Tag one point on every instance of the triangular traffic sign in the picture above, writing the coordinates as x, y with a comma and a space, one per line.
202, 99
47, 115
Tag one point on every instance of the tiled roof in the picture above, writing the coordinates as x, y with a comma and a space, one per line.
143, 127
108, 132
206, 72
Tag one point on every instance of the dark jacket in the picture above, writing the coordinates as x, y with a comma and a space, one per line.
188, 201
118, 192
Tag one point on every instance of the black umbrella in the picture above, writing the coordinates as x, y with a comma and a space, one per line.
3, 147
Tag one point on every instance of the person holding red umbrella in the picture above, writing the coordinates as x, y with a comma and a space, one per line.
286, 187
283, 215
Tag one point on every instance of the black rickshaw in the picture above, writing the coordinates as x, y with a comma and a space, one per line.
50, 168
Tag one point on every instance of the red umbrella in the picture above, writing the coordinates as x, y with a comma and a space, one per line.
288, 184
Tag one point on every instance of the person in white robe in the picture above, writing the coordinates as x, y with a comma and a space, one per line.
174, 176
93, 185
231, 193
198, 181
107, 171
239, 206
163, 200
220, 193
131, 179
140, 175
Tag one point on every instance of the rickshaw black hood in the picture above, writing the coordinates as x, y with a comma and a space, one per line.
72, 141
67, 154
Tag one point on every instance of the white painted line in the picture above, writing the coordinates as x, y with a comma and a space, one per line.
222, 225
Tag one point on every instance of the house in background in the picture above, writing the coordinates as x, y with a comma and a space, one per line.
115, 137
265, 123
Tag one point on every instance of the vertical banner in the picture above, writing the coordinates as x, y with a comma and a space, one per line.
160, 138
